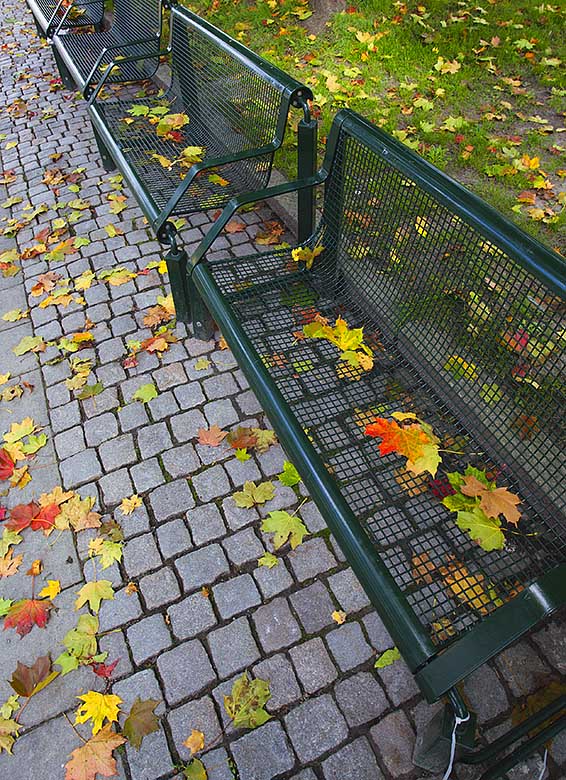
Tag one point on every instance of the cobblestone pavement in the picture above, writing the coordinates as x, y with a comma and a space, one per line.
335, 716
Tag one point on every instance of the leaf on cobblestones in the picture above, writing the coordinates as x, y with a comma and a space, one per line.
5, 605
94, 593
141, 721
289, 476
14, 315
242, 438
128, 505
89, 391
235, 227
10, 706
52, 589
202, 364
265, 439
29, 680
9, 564
45, 283
108, 552
24, 614
339, 616
98, 707
195, 741
84, 281
252, 495
285, 527
105, 670
8, 734
195, 770
246, 702
6, 465
29, 344
268, 559
77, 514
81, 644
113, 231
242, 455
20, 478
116, 276
95, 756
145, 393
212, 436
387, 658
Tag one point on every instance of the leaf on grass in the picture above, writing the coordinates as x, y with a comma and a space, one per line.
195, 741
289, 476
145, 393
29, 680
387, 658
268, 559
284, 527
129, 505
98, 707
141, 721
24, 614
252, 495
246, 702
95, 756
93, 593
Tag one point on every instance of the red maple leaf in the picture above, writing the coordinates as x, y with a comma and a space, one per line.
21, 516
6, 465
45, 519
24, 614
104, 670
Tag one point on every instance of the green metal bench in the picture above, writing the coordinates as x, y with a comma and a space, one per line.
211, 136
463, 319
48, 14
82, 57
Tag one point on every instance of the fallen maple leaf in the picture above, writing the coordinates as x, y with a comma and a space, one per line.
252, 494
98, 707
141, 721
195, 741
29, 680
6, 465
494, 501
211, 437
129, 505
9, 564
95, 756
52, 589
284, 527
339, 616
21, 516
24, 614
242, 438
104, 670
472, 589
413, 439
94, 592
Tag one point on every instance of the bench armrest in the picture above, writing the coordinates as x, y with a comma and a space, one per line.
67, 12
117, 47
245, 199
121, 61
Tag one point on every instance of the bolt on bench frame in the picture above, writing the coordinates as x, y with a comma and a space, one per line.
237, 104
406, 199
47, 15
135, 30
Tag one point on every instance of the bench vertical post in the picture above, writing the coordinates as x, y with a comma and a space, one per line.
176, 260
306, 167
66, 78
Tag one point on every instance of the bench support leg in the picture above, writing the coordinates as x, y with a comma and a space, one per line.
107, 161
40, 31
66, 77
432, 748
306, 166
176, 260
203, 324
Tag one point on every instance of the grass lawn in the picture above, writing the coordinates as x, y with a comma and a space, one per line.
477, 90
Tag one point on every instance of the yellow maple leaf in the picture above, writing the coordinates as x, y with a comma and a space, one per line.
98, 707
339, 616
20, 478
94, 592
52, 589
307, 255
195, 741
19, 430
4, 378
128, 505
56, 496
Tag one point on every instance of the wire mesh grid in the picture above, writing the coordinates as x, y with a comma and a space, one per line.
463, 338
134, 20
80, 15
231, 108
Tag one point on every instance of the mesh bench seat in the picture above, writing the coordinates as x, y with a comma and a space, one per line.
464, 317
48, 14
229, 110
82, 57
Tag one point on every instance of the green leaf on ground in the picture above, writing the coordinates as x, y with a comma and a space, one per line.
387, 658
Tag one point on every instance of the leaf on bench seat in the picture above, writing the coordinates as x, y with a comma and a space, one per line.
414, 439
472, 589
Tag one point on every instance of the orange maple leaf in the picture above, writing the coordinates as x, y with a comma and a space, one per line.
212, 437
407, 440
10, 564
24, 614
95, 756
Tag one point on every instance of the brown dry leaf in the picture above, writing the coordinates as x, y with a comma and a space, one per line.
212, 437
242, 438
423, 568
95, 756
131, 588
235, 227
45, 283
499, 501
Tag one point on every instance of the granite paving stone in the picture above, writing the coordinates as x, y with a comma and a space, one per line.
310, 559
283, 684
359, 755
173, 538
243, 547
116, 486
205, 523
316, 727
202, 567
275, 625
148, 637
236, 595
191, 616
100, 429
159, 588
313, 665
360, 698
233, 647
180, 461
251, 750
394, 739
185, 671
348, 646
147, 475
198, 714
171, 499
314, 607
140, 554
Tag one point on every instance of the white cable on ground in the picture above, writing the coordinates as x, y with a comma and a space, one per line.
457, 722
543, 770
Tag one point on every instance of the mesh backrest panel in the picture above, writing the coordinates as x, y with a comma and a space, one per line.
137, 18
239, 108
78, 16
484, 332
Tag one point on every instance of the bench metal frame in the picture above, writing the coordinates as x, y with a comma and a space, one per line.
295, 95
46, 26
437, 673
